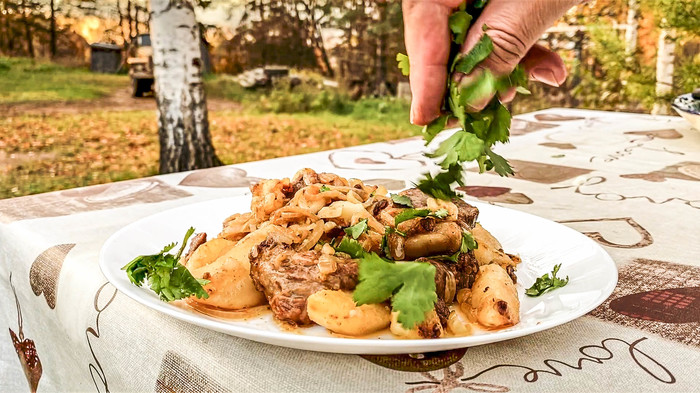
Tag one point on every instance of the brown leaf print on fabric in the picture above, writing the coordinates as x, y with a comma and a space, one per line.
688, 170
522, 127
367, 160
450, 382
418, 362
496, 194
389, 184
178, 375
219, 177
555, 117
643, 281
556, 145
539, 172
661, 134
638, 236
45, 270
26, 349
79, 200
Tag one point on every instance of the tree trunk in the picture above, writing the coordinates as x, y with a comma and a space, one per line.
664, 72
631, 31
183, 126
27, 31
52, 29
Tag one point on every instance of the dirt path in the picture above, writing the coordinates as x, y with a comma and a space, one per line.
121, 100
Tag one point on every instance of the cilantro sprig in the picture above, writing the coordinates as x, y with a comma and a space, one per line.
402, 200
409, 214
546, 283
479, 130
358, 229
169, 279
409, 285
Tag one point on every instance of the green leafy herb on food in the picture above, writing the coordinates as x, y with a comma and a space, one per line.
402, 200
409, 214
468, 243
358, 229
480, 130
546, 283
324, 188
409, 285
166, 276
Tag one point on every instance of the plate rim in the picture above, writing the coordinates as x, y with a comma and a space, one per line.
340, 344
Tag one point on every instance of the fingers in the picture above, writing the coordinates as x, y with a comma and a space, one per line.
544, 66
428, 44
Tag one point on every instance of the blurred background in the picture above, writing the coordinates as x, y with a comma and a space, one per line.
282, 77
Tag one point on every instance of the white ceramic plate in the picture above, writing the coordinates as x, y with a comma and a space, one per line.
540, 243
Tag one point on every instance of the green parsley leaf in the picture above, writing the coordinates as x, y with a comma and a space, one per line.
409, 214
324, 188
169, 279
440, 185
404, 64
402, 200
459, 25
461, 146
479, 3
436, 126
483, 86
546, 283
468, 242
466, 63
500, 164
358, 229
409, 285
351, 247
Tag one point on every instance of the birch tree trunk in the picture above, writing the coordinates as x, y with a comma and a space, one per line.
631, 31
664, 71
183, 125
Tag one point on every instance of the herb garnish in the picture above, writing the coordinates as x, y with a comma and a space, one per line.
479, 130
413, 213
468, 243
409, 285
166, 276
402, 200
546, 283
358, 229
324, 188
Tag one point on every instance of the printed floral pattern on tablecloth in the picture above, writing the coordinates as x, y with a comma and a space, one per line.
25, 348
80, 200
659, 297
45, 270
219, 177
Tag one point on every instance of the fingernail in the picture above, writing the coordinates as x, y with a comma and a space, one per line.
546, 76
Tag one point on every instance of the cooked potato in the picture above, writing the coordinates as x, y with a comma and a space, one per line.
225, 264
430, 328
493, 301
337, 312
489, 249
458, 323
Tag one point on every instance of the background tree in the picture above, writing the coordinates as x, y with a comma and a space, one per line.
183, 125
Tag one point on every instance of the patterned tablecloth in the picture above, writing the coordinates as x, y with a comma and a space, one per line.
631, 182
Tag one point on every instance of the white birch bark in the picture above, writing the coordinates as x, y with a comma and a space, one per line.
664, 71
183, 125
631, 30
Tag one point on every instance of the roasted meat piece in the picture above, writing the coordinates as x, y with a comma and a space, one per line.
450, 277
288, 277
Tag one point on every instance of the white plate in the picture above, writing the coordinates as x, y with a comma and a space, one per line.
540, 243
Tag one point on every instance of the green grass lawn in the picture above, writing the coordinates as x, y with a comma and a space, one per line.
27, 80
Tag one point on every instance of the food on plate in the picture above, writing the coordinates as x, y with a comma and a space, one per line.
322, 249
345, 255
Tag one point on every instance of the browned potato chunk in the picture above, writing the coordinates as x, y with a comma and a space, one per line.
493, 301
337, 312
430, 328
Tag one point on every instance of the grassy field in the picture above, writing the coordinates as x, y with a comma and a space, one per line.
67, 150
26, 80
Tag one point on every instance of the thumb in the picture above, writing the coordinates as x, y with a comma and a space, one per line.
514, 27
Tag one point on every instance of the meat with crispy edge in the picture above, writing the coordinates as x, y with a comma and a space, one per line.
289, 277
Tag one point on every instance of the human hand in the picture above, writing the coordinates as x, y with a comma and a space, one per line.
513, 25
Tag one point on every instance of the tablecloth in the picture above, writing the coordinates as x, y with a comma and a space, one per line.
631, 182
